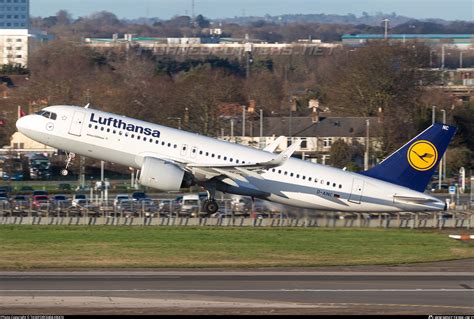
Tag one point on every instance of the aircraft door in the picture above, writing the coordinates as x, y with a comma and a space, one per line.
357, 190
77, 123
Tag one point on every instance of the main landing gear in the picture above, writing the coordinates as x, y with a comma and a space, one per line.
210, 204
70, 157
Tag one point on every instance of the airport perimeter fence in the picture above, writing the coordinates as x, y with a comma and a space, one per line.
141, 215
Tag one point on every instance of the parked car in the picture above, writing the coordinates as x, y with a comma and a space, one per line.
146, 206
126, 207
4, 200
40, 192
40, 202
20, 203
119, 198
168, 206
139, 196
60, 201
79, 200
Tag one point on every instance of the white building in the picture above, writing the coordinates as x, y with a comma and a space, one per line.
21, 144
14, 46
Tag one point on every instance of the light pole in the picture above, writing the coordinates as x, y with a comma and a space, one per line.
444, 156
367, 143
243, 121
386, 21
261, 129
441, 163
460, 59
433, 114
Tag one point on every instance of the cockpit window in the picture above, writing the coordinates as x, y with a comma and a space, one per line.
48, 115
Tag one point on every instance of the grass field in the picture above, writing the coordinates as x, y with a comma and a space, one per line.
42, 247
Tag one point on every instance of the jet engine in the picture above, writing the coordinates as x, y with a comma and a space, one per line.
163, 175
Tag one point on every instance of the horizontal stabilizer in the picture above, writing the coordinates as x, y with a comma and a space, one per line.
413, 199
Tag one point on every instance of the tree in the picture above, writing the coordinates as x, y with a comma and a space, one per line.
378, 80
202, 91
63, 17
341, 154
202, 22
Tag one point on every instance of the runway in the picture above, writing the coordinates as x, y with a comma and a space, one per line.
237, 292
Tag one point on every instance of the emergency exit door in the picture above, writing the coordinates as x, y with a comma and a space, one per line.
357, 190
77, 123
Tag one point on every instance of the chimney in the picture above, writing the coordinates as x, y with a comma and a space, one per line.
314, 105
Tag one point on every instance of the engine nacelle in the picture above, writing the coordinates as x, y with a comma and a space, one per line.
163, 175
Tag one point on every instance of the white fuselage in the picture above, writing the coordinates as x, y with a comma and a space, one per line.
114, 138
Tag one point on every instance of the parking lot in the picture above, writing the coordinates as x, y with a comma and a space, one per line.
138, 208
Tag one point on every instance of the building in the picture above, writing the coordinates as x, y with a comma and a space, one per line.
19, 143
316, 134
14, 14
210, 46
14, 25
456, 40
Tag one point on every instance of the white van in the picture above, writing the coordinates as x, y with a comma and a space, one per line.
190, 205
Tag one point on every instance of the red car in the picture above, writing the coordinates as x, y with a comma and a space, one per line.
40, 201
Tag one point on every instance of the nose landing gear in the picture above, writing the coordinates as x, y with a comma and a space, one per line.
70, 157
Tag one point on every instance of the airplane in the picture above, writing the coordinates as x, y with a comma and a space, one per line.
171, 159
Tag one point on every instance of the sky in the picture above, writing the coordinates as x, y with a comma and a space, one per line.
165, 9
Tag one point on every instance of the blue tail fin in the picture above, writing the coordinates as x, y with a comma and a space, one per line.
414, 163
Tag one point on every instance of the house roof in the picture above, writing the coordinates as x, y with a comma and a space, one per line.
304, 127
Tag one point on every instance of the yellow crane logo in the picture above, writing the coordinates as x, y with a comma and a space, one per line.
422, 155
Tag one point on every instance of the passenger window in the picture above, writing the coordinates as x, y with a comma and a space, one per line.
53, 116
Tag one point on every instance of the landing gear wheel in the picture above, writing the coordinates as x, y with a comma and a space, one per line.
70, 157
211, 207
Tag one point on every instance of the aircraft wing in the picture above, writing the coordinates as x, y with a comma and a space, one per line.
239, 171
273, 146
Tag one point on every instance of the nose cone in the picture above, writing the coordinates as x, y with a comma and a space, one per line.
24, 124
